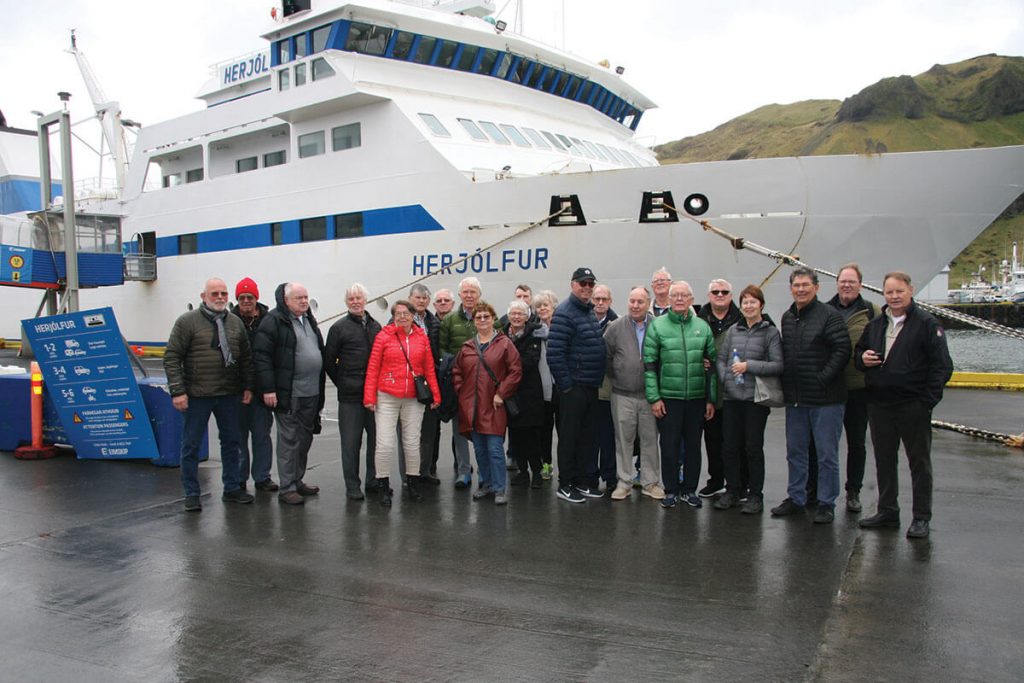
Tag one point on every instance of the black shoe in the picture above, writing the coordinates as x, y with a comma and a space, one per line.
918, 529
413, 489
193, 504
243, 486
786, 507
853, 501
711, 490
725, 501
372, 486
429, 479
237, 496
307, 489
590, 491
521, 479
753, 505
537, 481
385, 491
354, 494
267, 485
824, 515
883, 520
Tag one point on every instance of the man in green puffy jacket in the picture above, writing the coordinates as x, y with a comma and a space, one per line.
681, 392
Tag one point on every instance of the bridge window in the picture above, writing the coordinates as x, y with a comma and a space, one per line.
487, 61
300, 74
311, 144
467, 58
424, 50
246, 164
320, 37
348, 225
321, 69
516, 136
286, 50
284, 79
473, 130
403, 44
274, 158
444, 57
193, 175
346, 137
538, 140
313, 229
367, 39
301, 46
435, 126
501, 68
493, 133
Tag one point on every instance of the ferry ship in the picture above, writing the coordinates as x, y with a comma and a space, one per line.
381, 142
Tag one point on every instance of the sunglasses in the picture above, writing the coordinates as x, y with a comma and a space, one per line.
586, 283
720, 292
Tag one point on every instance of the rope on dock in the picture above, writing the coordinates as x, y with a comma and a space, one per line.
793, 260
1012, 440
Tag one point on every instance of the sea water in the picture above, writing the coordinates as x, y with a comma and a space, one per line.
980, 351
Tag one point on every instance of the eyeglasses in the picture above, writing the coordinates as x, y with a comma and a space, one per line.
661, 281
247, 297
679, 295
219, 294
482, 316
586, 283
720, 292
443, 301
403, 314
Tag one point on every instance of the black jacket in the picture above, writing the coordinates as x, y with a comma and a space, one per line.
274, 354
718, 327
348, 347
252, 324
917, 366
815, 351
530, 393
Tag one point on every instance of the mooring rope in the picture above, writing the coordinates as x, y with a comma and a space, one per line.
1013, 440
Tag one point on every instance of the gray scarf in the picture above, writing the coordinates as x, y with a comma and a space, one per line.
221, 342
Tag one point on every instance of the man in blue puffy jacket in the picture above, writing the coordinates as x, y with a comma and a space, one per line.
576, 358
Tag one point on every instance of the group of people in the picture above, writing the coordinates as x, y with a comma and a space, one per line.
630, 397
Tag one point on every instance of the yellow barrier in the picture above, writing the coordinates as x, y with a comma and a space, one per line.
987, 380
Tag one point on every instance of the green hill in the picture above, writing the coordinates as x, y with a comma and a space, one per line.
975, 103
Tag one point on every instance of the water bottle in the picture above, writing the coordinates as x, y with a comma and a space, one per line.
736, 359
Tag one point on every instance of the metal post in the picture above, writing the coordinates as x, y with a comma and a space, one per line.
70, 238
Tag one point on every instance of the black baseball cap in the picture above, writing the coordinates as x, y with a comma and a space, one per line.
581, 274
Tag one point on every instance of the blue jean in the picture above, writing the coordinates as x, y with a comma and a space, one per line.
825, 423
490, 460
255, 420
225, 409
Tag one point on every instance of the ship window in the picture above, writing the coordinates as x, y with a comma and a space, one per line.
276, 233
539, 75
435, 126
188, 244
473, 130
444, 57
501, 69
630, 159
321, 69
593, 148
346, 137
286, 50
537, 138
300, 74
311, 144
274, 158
313, 229
172, 180
578, 144
194, 175
467, 58
554, 140
246, 164
493, 133
568, 145
563, 78
518, 72
284, 79
348, 225
403, 43
320, 37
573, 87
584, 91
424, 50
367, 39
516, 136
488, 60
609, 152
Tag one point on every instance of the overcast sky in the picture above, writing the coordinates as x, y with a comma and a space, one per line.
703, 62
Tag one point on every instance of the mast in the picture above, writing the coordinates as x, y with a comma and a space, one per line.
107, 112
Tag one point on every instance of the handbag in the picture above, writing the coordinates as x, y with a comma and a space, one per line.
768, 391
423, 392
511, 403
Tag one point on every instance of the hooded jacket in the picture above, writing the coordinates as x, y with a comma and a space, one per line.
387, 369
274, 353
476, 389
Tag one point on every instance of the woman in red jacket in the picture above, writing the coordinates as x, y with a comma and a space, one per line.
482, 416
401, 352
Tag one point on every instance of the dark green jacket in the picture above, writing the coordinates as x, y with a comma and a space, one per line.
862, 313
674, 351
195, 366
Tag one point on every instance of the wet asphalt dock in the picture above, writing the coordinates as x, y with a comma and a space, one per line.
103, 577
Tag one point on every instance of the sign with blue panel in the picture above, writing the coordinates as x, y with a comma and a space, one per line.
15, 265
89, 377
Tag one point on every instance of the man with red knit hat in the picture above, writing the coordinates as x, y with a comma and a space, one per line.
255, 419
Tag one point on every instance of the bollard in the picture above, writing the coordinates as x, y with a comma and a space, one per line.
37, 451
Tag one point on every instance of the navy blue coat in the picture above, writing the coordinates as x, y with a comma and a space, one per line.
576, 352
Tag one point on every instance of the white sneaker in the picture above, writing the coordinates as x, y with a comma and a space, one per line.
621, 491
654, 491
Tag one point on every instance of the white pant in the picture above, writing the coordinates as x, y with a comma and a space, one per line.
633, 417
389, 411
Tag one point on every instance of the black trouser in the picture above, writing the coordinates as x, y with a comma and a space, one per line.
911, 423
855, 421
353, 420
713, 446
601, 459
743, 424
548, 430
576, 423
680, 428
525, 444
